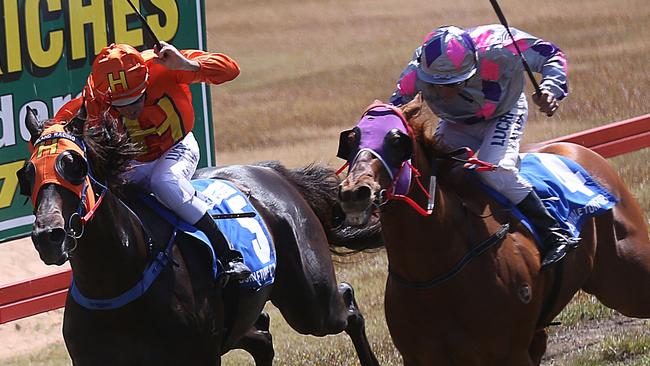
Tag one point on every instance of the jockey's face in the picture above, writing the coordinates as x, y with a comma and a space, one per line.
449, 91
133, 110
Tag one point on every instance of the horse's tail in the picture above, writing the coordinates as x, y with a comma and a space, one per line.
319, 186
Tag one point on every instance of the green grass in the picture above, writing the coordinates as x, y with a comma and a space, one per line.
583, 307
617, 350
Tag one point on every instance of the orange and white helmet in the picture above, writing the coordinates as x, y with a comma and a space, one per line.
448, 56
119, 75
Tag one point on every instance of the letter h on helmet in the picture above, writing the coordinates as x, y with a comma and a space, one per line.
119, 74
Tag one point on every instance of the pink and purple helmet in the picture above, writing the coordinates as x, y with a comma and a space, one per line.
448, 56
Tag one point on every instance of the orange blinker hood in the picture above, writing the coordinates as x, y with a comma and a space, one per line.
47, 148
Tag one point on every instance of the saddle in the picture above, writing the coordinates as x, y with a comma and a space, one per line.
567, 190
237, 219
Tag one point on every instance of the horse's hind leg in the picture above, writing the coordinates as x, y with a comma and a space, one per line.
259, 342
356, 328
621, 275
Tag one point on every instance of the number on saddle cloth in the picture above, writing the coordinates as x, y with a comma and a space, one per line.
249, 235
567, 190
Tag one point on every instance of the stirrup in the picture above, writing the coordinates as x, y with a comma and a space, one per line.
562, 245
236, 270
561, 236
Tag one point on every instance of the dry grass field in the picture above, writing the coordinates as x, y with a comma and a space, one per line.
310, 67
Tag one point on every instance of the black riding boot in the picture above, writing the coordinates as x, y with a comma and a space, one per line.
557, 241
232, 261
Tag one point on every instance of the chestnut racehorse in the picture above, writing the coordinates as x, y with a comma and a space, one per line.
464, 288
185, 317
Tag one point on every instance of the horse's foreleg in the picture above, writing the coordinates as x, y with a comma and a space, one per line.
538, 346
324, 310
356, 328
259, 342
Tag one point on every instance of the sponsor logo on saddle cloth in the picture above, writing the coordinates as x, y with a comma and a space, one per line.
248, 235
569, 193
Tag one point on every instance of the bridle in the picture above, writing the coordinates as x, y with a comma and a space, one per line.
470, 161
397, 190
82, 182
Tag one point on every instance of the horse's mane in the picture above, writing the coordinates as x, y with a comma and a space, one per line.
110, 150
423, 122
319, 186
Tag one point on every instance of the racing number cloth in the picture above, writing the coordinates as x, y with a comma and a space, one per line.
168, 114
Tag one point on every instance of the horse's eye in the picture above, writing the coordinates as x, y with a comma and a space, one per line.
71, 166
348, 143
397, 146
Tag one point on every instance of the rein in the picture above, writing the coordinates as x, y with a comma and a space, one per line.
479, 249
471, 162
78, 221
405, 198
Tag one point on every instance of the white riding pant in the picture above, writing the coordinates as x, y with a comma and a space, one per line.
498, 142
168, 178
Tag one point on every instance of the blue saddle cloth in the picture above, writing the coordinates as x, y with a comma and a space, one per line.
569, 193
248, 235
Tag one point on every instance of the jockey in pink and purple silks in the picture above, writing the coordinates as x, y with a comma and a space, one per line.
473, 80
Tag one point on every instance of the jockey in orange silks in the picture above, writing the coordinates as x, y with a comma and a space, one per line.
149, 93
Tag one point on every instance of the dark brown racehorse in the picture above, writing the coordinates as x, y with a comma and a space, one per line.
459, 291
184, 318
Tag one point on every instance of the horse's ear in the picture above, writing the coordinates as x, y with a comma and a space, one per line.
33, 126
413, 108
76, 124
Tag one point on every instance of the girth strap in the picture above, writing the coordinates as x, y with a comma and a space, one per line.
471, 254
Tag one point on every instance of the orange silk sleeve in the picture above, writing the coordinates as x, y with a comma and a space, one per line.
68, 110
216, 68
95, 109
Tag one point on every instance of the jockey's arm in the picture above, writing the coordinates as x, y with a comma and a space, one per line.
194, 66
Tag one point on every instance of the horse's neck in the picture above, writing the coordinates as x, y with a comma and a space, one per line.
111, 253
442, 236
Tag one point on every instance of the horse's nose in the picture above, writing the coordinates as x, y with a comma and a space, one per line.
50, 244
47, 237
361, 193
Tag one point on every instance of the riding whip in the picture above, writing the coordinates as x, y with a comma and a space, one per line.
502, 19
146, 26
232, 215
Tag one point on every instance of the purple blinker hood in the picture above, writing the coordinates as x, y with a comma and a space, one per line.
375, 123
